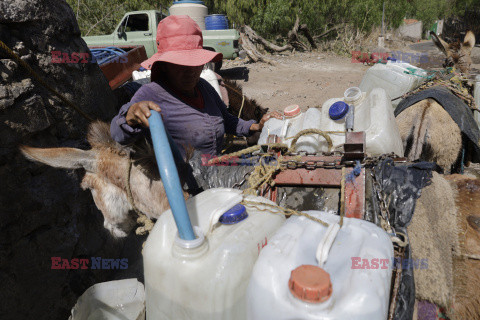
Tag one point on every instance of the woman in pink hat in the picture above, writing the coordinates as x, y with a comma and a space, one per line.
191, 109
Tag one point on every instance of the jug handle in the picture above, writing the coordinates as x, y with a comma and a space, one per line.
326, 243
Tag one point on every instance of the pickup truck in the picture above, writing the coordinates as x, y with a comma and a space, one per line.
140, 28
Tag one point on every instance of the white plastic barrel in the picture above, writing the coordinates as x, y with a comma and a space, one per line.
328, 280
294, 121
373, 113
209, 281
394, 77
193, 8
476, 95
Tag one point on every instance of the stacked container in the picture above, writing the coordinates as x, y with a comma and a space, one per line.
309, 271
396, 78
372, 113
293, 122
206, 278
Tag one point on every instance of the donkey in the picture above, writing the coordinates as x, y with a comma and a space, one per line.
106, 167
428, 132
445, 230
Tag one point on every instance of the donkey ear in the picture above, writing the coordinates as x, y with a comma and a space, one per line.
469, 41
442, 45
67, 158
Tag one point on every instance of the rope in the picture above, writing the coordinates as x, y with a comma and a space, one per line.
311, 131
241, 107
42, 82
234, 154
145, 223
284, 211
262, 175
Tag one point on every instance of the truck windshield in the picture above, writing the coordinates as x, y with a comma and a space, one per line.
136, 22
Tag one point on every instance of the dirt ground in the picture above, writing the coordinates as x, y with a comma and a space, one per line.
309, 79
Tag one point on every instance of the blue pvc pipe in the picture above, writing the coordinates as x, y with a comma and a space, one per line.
169, 175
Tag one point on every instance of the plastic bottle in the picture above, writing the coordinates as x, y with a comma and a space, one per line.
396, 78
310, 143
351, 269
288, 127
373, 114
207, 279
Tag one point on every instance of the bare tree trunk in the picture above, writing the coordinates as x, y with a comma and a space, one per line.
338, 26
267, 44
252, 52
307, 34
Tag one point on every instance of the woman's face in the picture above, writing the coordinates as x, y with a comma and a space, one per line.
182, 78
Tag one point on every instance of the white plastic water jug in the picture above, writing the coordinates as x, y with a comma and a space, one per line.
294, 122
208, 281
476, 95
112, 300
373, 113
309, 271
395, 77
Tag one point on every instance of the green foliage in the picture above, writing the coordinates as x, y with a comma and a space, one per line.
102, 16
277, 17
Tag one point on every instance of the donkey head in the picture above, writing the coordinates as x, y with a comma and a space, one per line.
457, 53
106, 168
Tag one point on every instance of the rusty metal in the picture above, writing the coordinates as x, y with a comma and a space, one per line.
354, 145
355, 195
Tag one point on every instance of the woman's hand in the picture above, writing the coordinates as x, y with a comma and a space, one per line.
265, 118
139, 112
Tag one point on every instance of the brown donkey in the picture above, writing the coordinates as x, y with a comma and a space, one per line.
427, 130
106, 166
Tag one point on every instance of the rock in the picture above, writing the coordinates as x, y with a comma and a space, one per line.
44, 213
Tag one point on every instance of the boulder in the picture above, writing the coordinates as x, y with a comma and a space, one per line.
43, 211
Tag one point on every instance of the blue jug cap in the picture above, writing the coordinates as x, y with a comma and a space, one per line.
234, 215
338, 110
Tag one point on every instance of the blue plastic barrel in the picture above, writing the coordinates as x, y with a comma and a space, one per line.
216, 22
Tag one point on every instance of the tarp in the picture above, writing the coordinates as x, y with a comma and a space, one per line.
456, 108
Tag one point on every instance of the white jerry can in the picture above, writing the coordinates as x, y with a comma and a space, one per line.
208, 279
309, 271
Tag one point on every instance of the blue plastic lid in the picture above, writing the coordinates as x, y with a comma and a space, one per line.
338, 110
234, 215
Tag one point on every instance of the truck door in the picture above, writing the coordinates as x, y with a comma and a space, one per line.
135, 30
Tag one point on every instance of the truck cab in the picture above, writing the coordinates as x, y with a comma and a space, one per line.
140, 28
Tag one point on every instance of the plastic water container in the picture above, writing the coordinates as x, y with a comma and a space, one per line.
112, 300
211, 77
373, 113
294, 121
195, 9
476, 95
216, 22
208, 281
304, 251
393, 77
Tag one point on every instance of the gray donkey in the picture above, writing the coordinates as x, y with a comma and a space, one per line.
428, 131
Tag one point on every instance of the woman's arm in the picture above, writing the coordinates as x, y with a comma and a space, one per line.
131, 121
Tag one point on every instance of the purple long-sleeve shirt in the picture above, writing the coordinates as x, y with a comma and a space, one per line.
202, 129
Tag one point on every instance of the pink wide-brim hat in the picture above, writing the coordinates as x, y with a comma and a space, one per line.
180, 41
